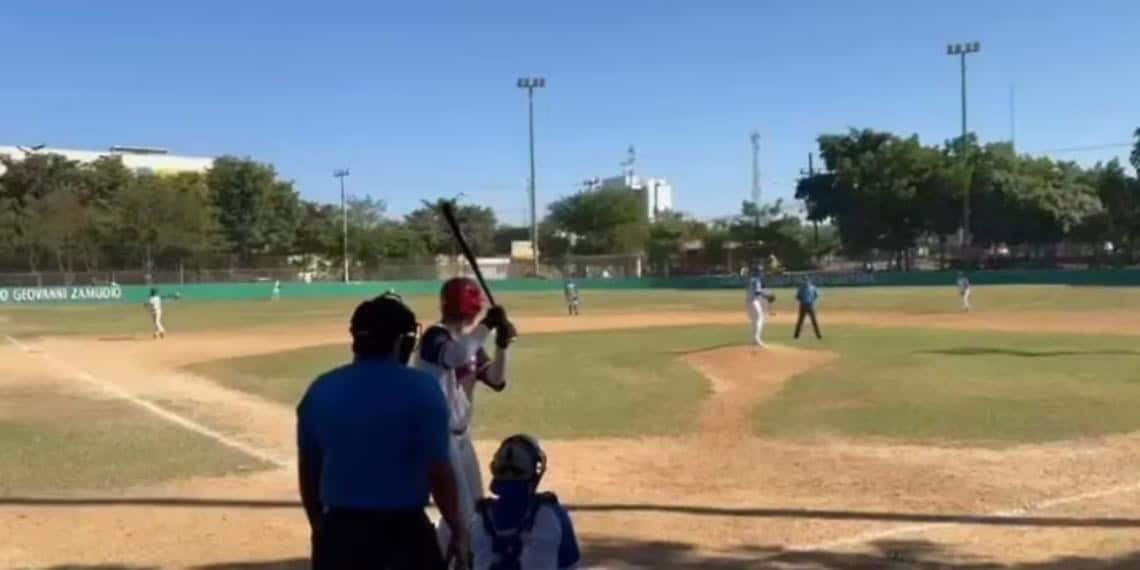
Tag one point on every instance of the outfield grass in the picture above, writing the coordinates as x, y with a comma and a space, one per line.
120, 319
904, 384
981, 387
52, 442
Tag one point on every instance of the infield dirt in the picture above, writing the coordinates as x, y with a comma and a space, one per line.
719, 498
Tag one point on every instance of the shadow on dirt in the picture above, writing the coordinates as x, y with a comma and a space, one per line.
613, 554
983, 351
885, 554
685, 510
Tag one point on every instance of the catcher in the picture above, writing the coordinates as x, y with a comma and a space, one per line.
519, 527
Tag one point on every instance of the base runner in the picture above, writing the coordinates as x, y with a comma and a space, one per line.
452, 351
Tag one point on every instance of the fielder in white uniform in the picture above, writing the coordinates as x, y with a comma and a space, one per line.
964, 291
756, 302
154, 305
276, 295
452, 351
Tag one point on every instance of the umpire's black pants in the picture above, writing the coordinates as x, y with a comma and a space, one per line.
808, 311
375, 540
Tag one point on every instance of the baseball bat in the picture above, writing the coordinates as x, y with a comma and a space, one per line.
449, 216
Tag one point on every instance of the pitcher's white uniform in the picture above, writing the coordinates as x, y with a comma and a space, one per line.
457, 361
756, 303
154, 304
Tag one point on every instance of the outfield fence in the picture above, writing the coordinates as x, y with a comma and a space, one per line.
112, 292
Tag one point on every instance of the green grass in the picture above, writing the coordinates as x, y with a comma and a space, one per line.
131, 319
932, 386
903, 384
53, 443
593, 384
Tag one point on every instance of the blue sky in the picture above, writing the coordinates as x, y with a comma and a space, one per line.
418, 99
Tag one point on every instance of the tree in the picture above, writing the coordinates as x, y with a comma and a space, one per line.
667, 236
1134, 156
766, 229
281, 218
1119, 193
477, 222
167, 218
873, 195
33, 190
257, 212
365, 216
606, 221
318, 230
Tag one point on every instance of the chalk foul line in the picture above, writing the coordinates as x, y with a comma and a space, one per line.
162, 412
865, 537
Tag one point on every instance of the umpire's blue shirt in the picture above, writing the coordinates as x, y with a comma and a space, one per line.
377, 425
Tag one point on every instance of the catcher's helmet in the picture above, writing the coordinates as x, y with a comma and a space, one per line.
519, 458
461, 297
377, 323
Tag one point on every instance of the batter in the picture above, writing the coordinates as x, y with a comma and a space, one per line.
452, 351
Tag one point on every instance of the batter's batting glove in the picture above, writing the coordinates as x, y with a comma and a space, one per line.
495, 318
505, 334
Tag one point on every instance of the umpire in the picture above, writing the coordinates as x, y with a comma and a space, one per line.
807, 295
372, 442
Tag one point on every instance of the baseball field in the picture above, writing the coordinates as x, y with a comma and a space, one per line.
913, 436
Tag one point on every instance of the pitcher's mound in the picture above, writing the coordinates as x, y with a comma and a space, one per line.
742, 377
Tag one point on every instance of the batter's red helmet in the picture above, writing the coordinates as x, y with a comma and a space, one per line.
461, 297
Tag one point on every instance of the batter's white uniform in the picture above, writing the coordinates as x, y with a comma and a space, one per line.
457, 360
756, 303
154, 303
964, 291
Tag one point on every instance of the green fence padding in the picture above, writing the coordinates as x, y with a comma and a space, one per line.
291, 290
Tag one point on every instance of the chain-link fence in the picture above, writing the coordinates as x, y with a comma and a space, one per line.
429, 270
216, 275
602, 266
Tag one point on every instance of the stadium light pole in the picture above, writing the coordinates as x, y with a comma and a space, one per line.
530, 84
962, 50
341, 174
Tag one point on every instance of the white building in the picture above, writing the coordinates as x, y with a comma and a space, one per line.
656, 193
139, 159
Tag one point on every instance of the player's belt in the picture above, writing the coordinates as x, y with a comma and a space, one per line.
459, 432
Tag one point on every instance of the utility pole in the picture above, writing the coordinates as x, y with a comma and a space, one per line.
810, 204
530, 84
628, 167
341, 174
755, 138
1012, 121
962, 50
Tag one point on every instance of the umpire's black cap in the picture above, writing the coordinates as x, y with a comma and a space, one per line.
377, 323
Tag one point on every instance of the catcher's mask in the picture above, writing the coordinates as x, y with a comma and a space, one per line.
379, 323
519, 458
